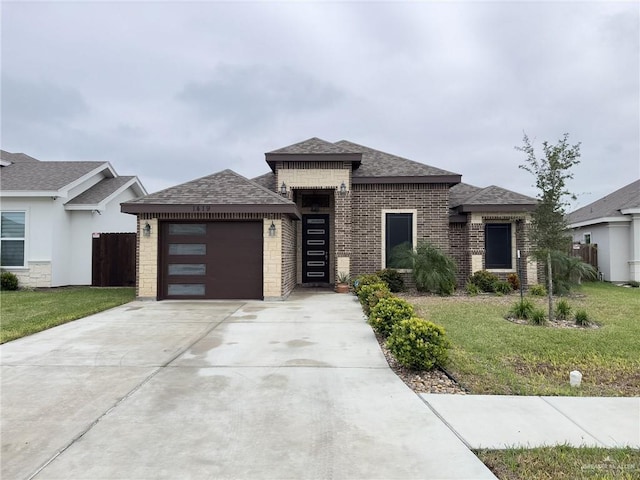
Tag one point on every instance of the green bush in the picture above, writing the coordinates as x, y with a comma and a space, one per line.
433, 271
486, 281
419, 344
387, 312
8, 281
569, 271
472, 289
522, 309
514, 281
634, 284
538, 290
538, 317
563, 310
392, 278
504, 288
582, 318
371, 294
363, 280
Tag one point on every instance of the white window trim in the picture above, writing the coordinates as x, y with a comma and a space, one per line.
24, 240
414, 231
514, 250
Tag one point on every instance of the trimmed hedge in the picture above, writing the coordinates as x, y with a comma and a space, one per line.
418, 344
388, 312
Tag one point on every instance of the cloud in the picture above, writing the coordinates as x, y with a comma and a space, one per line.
249, 97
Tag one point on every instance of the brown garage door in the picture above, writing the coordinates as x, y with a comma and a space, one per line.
213, 260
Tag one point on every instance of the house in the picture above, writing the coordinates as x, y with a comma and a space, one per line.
613, 224
323, 208
50, 211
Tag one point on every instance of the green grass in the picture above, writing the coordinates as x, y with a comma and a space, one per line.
26, 312
491, 355
563, 462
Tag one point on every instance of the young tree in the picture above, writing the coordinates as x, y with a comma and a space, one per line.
548, 220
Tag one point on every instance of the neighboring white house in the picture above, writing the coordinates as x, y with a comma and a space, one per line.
612, 223
50, 211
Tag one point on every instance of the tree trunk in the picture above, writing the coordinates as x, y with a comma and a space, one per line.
550, 286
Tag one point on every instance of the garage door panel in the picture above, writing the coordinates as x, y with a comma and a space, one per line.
213, 260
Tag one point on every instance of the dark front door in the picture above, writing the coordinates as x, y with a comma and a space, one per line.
315, 248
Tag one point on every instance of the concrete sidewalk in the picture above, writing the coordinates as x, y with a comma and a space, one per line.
295, 389
498, 422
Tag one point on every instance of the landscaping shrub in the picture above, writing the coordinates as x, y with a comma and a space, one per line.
563, 310
537, 317
387, 312
392, 278
569, 271
363, 280
582, 318
504, 288
8, 281
371, 294
634, 284
522, 309
419, 344
486, 281
538, 290
514, 281
472, 289
433, 271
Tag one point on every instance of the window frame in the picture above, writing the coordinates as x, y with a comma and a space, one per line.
23, 239
584, 238
512, 246
414, 232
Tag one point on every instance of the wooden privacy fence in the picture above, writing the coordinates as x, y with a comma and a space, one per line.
588, 252
113, 260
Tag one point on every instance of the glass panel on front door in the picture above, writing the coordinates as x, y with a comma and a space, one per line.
315, 248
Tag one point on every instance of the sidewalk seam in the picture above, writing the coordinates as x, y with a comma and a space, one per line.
447, 424
604, 445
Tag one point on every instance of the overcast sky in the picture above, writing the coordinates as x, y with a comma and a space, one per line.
172, 91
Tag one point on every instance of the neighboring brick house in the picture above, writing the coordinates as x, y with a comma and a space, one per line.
50, 213
324, 208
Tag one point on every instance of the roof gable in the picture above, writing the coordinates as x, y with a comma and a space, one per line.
103, 190
610, 205
312, 145
225, 191
26, 174
382, 165
469, 198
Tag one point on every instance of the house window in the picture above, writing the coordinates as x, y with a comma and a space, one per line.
587, 238
12, 228
497, 246
399, 234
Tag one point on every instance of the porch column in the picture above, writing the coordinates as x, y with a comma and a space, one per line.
342, 232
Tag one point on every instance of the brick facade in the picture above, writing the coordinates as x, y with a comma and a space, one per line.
289, 248
431, 202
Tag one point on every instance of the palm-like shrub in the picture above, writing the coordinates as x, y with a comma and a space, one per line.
433, 270
569, 271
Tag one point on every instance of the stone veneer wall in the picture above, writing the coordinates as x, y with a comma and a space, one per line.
288, 256
36, 275
368, 200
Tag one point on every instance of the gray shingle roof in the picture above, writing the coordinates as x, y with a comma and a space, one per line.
312, 145
222, 188
28, 174
100, 191
268, 181
465, 197
381, 164
609, 205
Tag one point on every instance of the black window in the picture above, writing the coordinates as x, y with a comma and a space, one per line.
497, 245
398, 238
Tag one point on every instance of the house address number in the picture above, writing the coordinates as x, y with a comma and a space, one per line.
201, 208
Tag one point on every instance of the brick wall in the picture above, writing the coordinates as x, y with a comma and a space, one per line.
147, 259
431, 201
288, 256
459, 245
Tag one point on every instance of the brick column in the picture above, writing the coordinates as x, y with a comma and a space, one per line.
147, 261
342, 231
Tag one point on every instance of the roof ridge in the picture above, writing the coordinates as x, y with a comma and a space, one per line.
270, 192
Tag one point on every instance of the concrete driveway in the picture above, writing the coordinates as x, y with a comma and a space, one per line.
295, 389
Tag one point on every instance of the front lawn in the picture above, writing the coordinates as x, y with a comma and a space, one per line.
25, 312
491, 355
563, 463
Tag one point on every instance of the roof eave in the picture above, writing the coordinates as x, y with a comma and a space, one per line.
448, 179
272, 158
496, 208
30, 193
596, 221
136, 208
